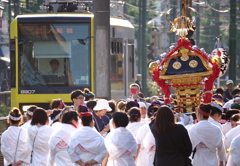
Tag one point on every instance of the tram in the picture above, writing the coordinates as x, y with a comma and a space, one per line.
52, 54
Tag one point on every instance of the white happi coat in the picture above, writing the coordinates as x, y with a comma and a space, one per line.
134, 126
58, 144
26, 125
141, 133
226, 127
14, 146
121, 146
210, 119
208, 140
38, 143
231, 134
57, 126
234, 159
86, 145
149, 146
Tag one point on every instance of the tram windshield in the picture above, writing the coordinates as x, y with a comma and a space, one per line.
54, 54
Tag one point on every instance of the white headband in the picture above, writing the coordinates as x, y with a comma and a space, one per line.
29, 113
14, 118
236, 98
57, 116
214, 104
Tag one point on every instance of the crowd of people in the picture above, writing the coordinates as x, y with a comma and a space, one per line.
134, 131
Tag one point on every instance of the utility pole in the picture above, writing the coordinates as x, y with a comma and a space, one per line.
144, 51
232, 40
174, 11
101, 10
140, 37
198, 25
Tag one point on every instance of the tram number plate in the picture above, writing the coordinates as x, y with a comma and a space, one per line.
27, 91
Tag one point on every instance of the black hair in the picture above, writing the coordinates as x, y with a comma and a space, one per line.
82, 108
215, 110
112, 105
39, 116
91, 104
164, 120
140, 94
69, 116
235, 117
205, 108
230, 113
88, 94
76, 93
54, 61
56, 103
31, 109
235, 91
134, 114
86, 120
131, 104
54, 114
120, 119
220, 91
15, 112
152, 109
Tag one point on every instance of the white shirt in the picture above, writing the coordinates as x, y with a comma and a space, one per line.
208, 140
228, 104
86, 145
14, 146
141, 134
226, 127
38, 143
234, 159
26, 124
121, 146
234, 132
149, 147
57, 126
210, 119
58, 144
134, 126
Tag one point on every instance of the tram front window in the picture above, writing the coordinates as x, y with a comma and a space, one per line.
55, 55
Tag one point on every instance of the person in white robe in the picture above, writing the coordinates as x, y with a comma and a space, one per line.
149, 149
56, 123
216, 114
234, 132
29, 113
210, 150
232, 117
143, 112
14, 141
135, 120
39, 134
87, 146
141, 153
120, 143
234, 159
59, 141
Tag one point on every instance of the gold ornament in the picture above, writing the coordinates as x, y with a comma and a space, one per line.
216, 59
184, 58
193, 63
152, 66
177, 65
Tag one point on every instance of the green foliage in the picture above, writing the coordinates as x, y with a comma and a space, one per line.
152, 87
4, 110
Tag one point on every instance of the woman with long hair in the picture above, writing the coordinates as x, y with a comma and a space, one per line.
39, 134
173, 146
14, 146
120, 143
86, 147
59, 141
207, 139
